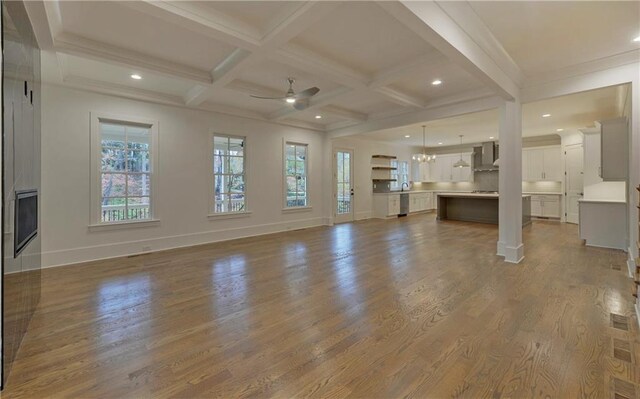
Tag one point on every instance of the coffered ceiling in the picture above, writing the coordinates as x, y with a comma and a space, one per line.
373, 61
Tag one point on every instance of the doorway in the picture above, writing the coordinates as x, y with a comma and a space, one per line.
574, 166
343, 186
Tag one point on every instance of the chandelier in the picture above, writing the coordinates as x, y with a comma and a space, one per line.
424, 157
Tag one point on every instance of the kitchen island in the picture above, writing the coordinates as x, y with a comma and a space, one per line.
476, 207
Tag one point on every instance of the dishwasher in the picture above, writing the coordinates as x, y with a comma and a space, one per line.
404, 204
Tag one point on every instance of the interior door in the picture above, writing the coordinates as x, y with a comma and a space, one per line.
343, 186
573, 181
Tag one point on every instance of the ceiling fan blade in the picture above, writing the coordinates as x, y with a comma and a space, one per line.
301, 104
267, 98
310, 92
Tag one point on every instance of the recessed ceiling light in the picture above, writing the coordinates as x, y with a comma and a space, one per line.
290, 100
491, 137
406, 136
546, 115
136, 76
559, 130
637, 39
436, 82
318, 116
439, 143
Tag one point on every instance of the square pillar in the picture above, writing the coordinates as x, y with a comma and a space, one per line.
510, 182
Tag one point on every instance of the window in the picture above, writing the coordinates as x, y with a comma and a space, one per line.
401, 174
229, 174
295, 170
125, 180
123, 172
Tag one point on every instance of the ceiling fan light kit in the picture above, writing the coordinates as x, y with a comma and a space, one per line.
300, 101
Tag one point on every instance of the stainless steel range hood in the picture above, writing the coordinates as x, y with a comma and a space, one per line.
485, 157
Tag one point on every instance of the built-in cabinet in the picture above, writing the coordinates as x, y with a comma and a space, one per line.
542, 164
442, 170
547, 206
419, 202
388, 205
614, 149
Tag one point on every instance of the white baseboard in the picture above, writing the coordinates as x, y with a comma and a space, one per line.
514, 254
363, 215
631, 263
115, 250
500, 248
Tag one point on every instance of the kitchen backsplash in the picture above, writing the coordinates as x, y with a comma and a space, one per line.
488, 181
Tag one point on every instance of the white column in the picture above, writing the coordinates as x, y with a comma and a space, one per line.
510, 179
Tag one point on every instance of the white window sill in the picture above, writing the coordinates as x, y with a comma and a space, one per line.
124, 225
229, 215
297, 209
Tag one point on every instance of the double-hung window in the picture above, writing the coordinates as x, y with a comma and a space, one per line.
229, 174
295, 174
124, 155
401, 174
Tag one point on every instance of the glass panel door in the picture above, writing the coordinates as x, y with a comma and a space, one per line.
343, 177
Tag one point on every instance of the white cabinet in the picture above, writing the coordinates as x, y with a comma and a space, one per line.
442, 169
542, 164
386, 205
393, 205
421, 171
614, 147
547, 206
525, 166
419, 202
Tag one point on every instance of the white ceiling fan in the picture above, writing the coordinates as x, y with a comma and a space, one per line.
299, 100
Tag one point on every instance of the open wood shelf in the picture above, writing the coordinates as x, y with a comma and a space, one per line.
384, 168
384, 157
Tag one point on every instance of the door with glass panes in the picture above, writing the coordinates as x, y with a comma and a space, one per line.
343, 186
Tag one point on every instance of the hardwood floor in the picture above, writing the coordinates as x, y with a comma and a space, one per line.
387, 309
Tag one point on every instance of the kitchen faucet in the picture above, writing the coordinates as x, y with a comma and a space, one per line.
402, 188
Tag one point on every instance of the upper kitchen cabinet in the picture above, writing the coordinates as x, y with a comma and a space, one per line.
614, 149
421, 171
442, 169
542, 164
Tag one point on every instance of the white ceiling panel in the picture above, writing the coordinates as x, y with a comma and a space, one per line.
100, 71
454, 79
364, 37
259, 14
118, 25
547, 35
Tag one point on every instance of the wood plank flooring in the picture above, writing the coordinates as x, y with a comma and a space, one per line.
374, 309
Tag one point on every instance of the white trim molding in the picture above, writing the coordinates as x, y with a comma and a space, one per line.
70, 256
96, 169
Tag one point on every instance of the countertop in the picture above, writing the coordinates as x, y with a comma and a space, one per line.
602, 201
541, 193
406, 192
474, 195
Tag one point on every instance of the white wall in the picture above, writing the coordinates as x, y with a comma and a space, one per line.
363, 150
183, 178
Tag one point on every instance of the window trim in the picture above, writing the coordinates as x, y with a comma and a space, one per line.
307, 170
96, 169
212, 186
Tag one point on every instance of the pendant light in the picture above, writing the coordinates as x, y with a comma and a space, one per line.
461, 163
